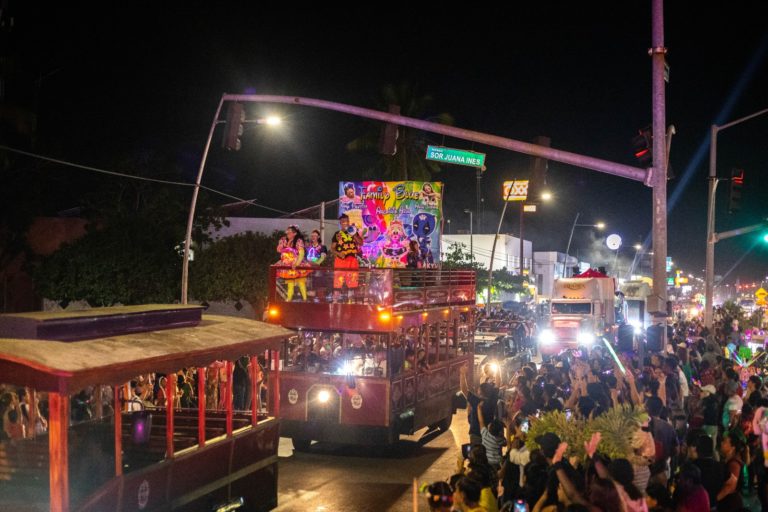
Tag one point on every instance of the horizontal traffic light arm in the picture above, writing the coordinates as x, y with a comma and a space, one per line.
741, 231
566, 157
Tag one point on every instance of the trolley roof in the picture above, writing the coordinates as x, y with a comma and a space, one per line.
49, 365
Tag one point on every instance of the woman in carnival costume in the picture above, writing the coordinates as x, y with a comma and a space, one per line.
291, 249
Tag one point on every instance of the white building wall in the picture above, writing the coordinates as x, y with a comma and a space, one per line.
507, 250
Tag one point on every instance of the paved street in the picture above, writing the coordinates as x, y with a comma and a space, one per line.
342, 478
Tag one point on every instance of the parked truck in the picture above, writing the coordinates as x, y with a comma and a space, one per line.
581, 309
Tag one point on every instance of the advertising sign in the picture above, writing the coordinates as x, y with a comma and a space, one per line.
389, 214
518, 192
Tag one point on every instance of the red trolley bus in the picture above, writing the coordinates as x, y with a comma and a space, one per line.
379, 361
138, 408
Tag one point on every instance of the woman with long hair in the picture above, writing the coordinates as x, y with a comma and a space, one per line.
291, 249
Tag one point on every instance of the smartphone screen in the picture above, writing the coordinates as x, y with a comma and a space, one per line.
525, 425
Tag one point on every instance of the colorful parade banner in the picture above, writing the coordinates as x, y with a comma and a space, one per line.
389, 214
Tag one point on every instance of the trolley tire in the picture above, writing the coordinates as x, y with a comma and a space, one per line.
301, 445
445, 424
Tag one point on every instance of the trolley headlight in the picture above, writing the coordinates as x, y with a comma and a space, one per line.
323, 396
585, 338
547, 337
638, 328
494, 367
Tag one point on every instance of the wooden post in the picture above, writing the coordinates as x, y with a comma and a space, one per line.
228, 397
58, 423
118, 431
201, 398
275, 383
127, 394
170, 400
255, 391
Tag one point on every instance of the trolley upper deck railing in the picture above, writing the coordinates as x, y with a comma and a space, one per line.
365, 299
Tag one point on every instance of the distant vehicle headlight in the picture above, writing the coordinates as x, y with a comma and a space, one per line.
585, 338
547, 337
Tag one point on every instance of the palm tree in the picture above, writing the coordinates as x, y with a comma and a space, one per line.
408, 162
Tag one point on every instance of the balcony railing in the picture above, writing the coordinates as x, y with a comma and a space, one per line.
400, 289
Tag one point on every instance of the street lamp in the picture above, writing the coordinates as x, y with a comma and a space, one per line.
599, 225
712, 236
545, 196
270, 121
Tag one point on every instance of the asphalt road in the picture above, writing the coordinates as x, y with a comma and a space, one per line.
335, 478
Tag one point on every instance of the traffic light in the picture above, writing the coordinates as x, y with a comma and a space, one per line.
643, 146
734, 194
233, 129
389, 134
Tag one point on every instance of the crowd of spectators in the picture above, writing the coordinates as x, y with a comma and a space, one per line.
698, 444
20, 419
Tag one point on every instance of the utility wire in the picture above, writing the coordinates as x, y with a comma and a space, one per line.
141, 178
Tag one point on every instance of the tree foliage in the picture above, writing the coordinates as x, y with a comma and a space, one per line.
132, 261
234, 268
130, 254
618, 426
408, 162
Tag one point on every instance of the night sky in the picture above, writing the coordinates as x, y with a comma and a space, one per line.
148, 78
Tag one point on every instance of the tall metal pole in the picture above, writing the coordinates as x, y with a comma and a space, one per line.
659, 178
709, 271
193, 205
322, 222
477, 201
568, 247
522, 245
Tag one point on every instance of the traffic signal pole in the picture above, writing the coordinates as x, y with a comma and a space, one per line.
658, 180
712, 236
587, 162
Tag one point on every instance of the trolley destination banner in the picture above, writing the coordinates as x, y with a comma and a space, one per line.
389, 214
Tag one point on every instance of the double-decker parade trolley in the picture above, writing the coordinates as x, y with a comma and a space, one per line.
380, 361
138, 408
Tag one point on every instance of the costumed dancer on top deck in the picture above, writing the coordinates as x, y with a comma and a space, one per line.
317, 256
346, 247
291, 249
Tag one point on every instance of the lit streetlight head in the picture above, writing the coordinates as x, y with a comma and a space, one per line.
600, 225
546, 195
273, 120
638, 247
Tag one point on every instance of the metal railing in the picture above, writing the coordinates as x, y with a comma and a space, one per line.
398, 288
